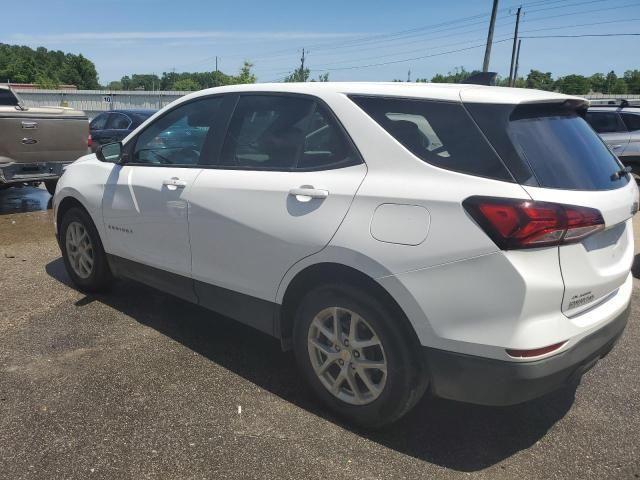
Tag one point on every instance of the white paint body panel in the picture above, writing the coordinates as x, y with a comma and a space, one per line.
458, 290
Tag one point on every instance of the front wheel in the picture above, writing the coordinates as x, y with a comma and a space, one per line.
82, 251
50, 185
356, 357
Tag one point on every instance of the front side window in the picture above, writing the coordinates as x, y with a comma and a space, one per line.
177, 138
632, 121
438, 133
283, 132
605, 122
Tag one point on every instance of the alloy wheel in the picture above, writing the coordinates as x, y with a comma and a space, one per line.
347, 356
79, 249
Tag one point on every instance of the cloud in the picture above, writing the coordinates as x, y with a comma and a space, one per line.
176, 35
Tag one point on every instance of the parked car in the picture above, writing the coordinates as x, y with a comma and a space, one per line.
115, 125
619, 127
395, 236
37, 143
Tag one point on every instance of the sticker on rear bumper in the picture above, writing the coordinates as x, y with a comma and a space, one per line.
579, 300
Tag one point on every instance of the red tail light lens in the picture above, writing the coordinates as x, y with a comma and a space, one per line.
89, 141
516, 224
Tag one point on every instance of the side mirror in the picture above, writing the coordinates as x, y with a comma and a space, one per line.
110, 152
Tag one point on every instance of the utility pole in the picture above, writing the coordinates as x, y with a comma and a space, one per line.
515, 44
216, 65
492, 24
301, 74
515, 72
409, 75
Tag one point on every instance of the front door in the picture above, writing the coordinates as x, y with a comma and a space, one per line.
145, 200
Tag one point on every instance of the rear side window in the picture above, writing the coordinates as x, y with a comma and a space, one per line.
283, 132
563, 152
632, 121
605, 122
7, 98
117, 121
438, 133
100, 122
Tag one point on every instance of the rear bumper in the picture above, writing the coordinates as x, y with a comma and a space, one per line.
31, 172
488, 381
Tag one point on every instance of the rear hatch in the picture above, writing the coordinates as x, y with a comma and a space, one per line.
558, 158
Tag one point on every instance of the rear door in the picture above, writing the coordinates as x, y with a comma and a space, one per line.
283, 182
572, 166
611, 128
632, 121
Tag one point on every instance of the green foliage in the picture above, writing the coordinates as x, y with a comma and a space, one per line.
46, 68
298, 75
632, 79
246, 75
459, 74
538, 80
186, 84
574, 85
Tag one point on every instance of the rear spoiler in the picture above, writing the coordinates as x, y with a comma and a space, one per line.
481, 78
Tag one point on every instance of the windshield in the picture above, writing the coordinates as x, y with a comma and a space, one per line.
564, 152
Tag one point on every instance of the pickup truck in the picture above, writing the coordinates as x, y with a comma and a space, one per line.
37, 143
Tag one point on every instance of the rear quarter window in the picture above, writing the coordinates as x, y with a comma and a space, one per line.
438, 133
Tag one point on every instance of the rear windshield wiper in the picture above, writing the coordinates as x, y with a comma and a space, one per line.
621, 173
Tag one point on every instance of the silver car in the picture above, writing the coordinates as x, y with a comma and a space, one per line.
619, 127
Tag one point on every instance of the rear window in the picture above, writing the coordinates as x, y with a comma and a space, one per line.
438, 133
563, 152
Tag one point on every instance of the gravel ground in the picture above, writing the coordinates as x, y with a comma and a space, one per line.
137, 384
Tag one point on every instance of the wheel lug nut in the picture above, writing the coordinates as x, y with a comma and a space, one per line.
356, 354
337, 347
346, 343
341, 362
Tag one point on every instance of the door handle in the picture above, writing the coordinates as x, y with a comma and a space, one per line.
615, 147
174, 183
308, 192
29, 125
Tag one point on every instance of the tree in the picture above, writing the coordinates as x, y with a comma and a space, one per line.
574, 85
115, 85
246, 75
323, 77
632, 79
538, 80
620, 87
459, 74
298, 75
611, 80
598, 82
186, 84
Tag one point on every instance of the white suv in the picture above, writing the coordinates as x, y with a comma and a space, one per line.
475, 241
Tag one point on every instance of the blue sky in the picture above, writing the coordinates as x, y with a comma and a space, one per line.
343, 37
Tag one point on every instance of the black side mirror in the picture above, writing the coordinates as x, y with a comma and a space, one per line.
110, 152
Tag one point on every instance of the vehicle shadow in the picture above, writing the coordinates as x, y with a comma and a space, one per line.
450, 434
24, 199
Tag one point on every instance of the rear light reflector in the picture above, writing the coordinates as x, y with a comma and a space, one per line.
516, 224
89, 141
536, 352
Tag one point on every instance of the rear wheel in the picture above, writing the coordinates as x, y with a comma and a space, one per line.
355, 356
82, 251
50, 185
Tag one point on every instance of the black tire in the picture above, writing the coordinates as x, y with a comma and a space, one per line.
50, 185
406, 379
100, 277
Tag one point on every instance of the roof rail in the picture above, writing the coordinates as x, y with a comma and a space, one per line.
619, 102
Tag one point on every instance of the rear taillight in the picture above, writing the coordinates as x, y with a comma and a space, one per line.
89, 141
515, 224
